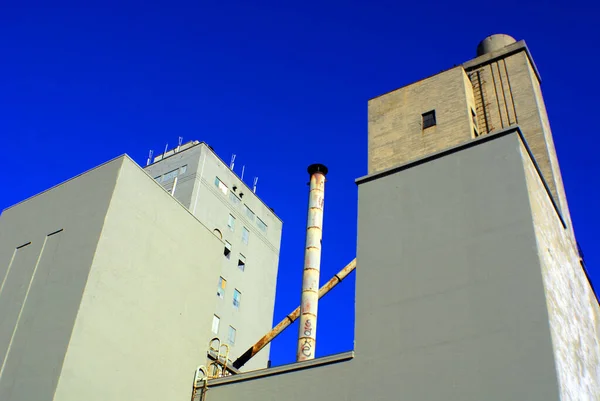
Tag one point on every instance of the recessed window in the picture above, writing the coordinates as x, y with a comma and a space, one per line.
158, 179
183, 169
428, 119
242, 262
170, 175
231, 335
222, 187
261, 225
474, 117
227, 250
221, 287
237, 297
231, 222
475, 133
245, 235
249, 213
234, 199
215, 324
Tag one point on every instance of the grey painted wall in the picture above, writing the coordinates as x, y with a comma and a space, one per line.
196, 189
145, 316
46, 248
450, 301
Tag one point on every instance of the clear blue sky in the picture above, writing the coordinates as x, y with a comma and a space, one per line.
282, 86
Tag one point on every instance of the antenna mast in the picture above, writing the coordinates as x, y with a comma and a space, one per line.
232, 162
254, 186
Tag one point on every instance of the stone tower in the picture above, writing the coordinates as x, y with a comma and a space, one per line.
497, 89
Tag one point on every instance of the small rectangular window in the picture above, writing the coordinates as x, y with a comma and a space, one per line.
237, 297
428, 119
221, 287
249, 213
158, 179
227, 250
242, 262
215, 324
231, 222
474, 117
233, 198
231, 335
261, 225
245, 235
183, 169
475, 133
222, 187
170, 175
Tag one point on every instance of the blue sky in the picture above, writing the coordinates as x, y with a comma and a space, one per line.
280, 84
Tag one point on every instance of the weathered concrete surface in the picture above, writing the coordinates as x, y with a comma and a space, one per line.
572, 306
450, 297
396, 135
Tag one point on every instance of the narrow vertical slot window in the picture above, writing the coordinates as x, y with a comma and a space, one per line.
227, 250
245, 235
237, 297
215, 324
242, 262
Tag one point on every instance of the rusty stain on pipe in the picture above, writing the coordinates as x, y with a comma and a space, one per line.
291, 318
307, 332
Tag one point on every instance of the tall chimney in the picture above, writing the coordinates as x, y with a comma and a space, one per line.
307, 332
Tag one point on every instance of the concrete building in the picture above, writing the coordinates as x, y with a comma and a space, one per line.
110, 285
202, 182
469, 282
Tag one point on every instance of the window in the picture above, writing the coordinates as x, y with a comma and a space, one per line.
231, 335
242, 262
158, 179
245, 235
474, 116
475, 132
249, 213
234, 199
170, 175
237, 297
227, 250
215, 324
231, 222
183, 169
261, 225
428, 119
222, 187
221, 287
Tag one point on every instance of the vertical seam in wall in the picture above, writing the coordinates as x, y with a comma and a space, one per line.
503, 92
12, 259
496, 92
90, 270
199, 181
483, 108
512, 99
12, 337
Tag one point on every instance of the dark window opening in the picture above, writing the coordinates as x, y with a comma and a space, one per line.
428, 119
227, 250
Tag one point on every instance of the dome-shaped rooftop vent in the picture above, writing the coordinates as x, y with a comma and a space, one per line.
493, 43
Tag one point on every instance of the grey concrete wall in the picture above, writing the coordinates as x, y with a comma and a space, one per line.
146, 312
47, 244
573, 308
257, 283
450, 299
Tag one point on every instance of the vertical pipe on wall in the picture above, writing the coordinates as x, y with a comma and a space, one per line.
312, 264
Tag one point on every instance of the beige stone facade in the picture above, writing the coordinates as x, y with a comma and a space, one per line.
494, 91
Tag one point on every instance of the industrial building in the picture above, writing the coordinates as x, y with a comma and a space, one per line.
470, 284
113, 284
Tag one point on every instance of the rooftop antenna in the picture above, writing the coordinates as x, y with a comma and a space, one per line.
150, 154
166, 147
232, 162
179, 143
243, 168
254, 186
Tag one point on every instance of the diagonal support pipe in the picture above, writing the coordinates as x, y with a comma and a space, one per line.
291, 318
